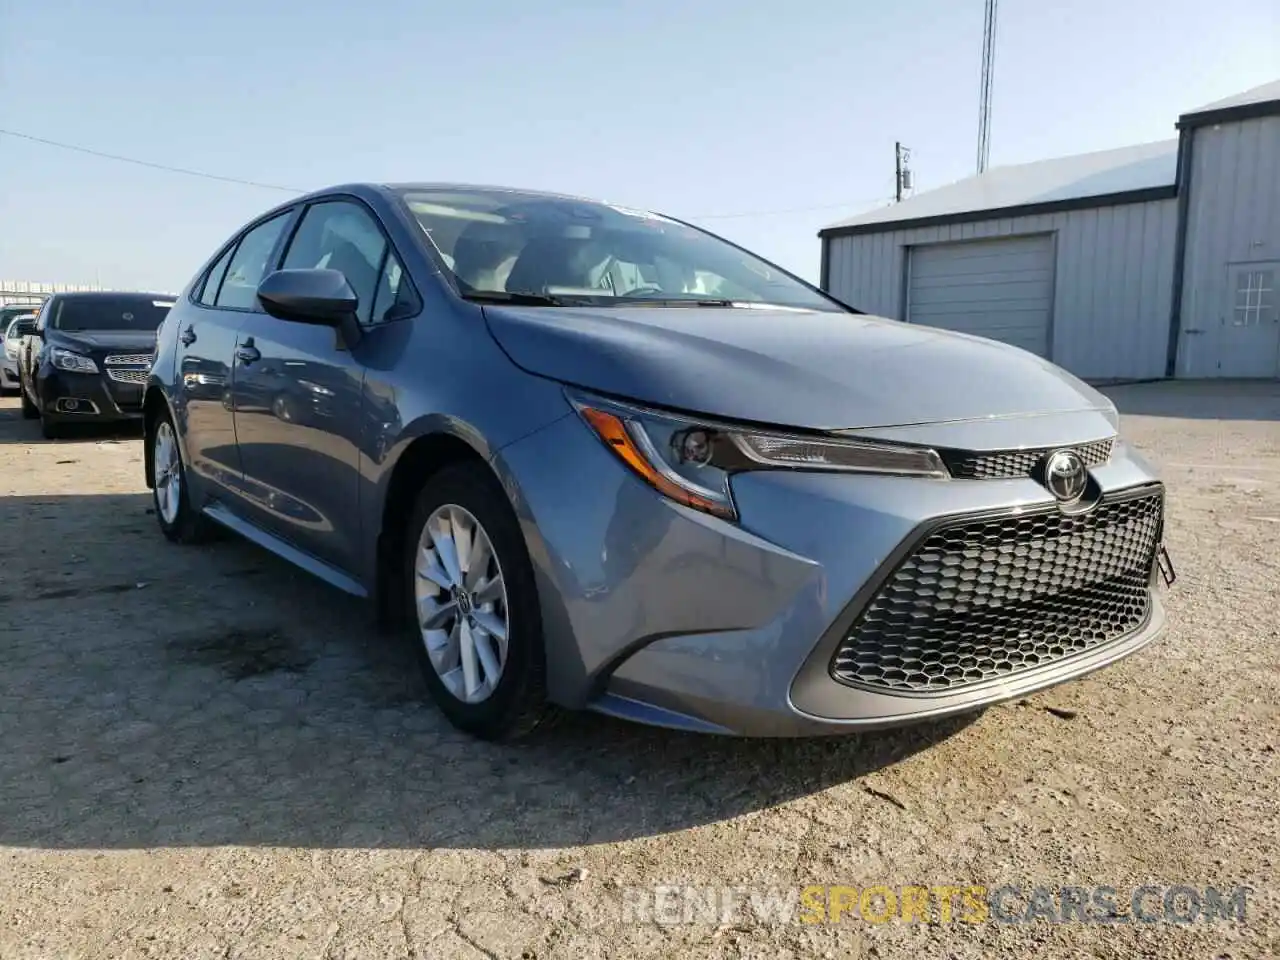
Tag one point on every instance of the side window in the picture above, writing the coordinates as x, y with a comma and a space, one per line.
209, 295
249, 264
341, 235
395, 297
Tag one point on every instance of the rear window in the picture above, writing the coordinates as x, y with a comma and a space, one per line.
9, 314
110, 313
10, 329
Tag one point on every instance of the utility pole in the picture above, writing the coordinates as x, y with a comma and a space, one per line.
901, 172
984, 91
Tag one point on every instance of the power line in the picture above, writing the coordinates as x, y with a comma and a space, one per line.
147, 163
296, 190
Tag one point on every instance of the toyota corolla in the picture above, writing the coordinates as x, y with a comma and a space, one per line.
586, 456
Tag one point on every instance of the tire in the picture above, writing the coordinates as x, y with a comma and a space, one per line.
29, 410
50, 429
516, 702
179, 522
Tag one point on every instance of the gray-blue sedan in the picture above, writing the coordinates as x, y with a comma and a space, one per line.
589, 456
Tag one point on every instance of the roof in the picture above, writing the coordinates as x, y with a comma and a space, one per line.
1129, 174
1260, 101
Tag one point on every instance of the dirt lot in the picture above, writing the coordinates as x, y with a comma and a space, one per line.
206, 754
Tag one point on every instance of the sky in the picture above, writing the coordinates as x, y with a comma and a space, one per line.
760, 121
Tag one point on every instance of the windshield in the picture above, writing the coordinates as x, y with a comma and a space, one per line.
110, 313
504, 245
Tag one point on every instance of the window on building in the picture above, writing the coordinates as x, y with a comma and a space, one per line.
1255, 297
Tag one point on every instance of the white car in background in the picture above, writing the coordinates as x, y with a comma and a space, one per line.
11, 336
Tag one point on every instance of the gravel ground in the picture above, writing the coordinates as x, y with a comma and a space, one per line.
207, 754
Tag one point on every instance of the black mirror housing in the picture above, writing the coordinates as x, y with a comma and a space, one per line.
309, 296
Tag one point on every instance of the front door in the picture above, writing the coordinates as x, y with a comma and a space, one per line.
299, 405
1250, 332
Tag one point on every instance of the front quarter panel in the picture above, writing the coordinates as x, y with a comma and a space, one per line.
439, 372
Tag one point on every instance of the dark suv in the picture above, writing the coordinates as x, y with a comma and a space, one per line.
88, 357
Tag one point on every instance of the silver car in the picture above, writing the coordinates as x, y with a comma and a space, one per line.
11, 334
589, 456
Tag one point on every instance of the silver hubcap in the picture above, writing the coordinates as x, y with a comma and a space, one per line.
462, 603
168, 473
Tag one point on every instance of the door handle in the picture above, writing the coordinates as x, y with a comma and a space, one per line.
247, 353
188, 336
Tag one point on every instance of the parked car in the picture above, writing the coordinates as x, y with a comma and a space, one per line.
88, 356
595, 457
12, 333
11, 311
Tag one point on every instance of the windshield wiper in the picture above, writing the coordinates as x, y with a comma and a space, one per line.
670, 301
519, 299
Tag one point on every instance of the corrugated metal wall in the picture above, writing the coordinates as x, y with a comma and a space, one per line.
1234, 217
1113, 289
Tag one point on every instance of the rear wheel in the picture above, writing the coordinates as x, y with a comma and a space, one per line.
474, 618
178, 520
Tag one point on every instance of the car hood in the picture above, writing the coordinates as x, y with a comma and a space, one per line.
92, 340
799, 368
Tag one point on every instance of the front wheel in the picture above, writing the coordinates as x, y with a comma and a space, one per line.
475, 620
178, 520
51, 430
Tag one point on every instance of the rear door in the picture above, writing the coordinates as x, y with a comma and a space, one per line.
207, 330
299, 433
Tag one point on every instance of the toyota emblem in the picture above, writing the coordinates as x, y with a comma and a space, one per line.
1065, 475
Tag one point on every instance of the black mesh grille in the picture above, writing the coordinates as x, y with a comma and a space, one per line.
1007, 464
980, 599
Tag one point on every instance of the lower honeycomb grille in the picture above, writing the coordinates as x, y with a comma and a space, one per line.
982, 599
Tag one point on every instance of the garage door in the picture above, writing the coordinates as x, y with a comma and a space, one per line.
1002, 289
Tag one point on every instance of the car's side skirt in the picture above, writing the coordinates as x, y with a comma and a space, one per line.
286, 551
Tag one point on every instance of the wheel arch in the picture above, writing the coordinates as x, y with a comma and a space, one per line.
154, 402
420, 459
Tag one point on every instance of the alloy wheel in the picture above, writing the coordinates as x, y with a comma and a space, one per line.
461, 600
168, 473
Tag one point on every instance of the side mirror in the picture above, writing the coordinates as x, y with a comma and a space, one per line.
321, 297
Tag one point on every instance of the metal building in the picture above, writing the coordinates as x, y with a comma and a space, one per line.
1156, 260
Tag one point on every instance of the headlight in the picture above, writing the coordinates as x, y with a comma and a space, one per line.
74, 362
691, 460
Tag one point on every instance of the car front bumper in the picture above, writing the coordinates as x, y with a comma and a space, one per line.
67, 397
8, 374
658, 613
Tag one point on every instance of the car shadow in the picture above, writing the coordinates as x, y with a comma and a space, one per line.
1240, 400
156, 695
